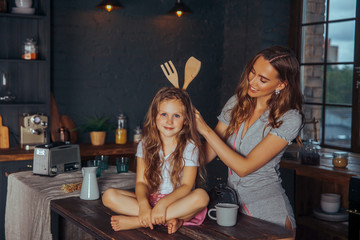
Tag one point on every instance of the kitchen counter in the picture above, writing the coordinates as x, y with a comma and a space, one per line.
28, 199
86, 150
92, 218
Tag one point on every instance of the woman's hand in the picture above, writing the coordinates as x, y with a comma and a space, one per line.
145, 216
158, 213
201, 125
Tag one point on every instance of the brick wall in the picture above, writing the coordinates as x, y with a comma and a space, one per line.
109, 63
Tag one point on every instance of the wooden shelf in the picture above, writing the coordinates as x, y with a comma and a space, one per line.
86, 150
27, 16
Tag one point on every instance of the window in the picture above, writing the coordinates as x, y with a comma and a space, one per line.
328, 50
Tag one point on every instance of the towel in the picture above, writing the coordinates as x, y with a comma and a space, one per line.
27, 214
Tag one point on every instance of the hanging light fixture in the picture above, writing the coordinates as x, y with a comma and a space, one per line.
180, 8
109, 5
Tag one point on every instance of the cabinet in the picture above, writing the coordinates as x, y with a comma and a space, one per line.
29, 80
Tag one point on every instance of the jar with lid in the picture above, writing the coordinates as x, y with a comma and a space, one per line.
310, 153
340, 159
121, 133
137, 134
30, 49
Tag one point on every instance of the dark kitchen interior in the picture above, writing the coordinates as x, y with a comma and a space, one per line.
103, 63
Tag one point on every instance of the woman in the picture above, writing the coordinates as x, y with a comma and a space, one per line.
257, 124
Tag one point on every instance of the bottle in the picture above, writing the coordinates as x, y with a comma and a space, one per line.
120, 134
137, 134
6, 95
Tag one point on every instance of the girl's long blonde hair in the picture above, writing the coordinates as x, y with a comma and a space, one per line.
286, 64
152, 142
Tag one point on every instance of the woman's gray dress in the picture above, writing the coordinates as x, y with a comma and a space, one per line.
260, 193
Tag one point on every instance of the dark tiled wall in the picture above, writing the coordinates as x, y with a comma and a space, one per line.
110, 63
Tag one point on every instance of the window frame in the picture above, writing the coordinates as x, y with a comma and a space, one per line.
295, 38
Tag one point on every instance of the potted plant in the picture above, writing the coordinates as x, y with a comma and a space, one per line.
97, 127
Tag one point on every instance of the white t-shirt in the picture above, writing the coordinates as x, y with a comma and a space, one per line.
190, 157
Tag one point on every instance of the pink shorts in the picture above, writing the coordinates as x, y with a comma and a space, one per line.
197, 220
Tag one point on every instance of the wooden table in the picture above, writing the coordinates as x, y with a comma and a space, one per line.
94, 218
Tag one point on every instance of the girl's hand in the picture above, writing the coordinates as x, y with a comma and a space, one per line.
201, 125
158, 213
145, 217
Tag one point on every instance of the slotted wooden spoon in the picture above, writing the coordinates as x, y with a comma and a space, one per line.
192, 68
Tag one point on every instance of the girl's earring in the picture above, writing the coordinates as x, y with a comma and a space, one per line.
277, 91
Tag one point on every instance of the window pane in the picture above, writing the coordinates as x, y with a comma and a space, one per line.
312, 130
313, 43
314, 11
340, 9
339, 84
338, 126
312, 83
341, 41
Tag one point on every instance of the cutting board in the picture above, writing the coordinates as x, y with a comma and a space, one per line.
4, 135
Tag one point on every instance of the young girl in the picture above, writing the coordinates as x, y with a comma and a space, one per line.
253, 131
167, 164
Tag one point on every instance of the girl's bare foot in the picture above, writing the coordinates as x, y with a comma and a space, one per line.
174, 225
120, 222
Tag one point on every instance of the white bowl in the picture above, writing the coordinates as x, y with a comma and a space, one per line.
23, 3
330, 207
330, 197
23, 10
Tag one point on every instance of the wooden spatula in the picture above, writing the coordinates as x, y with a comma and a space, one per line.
192, 68
4, 135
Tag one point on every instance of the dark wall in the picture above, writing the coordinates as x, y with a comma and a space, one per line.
109, 63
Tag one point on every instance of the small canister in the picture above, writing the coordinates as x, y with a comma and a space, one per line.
30, 49
340, 159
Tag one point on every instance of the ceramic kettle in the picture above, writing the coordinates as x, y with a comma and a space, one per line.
89, 187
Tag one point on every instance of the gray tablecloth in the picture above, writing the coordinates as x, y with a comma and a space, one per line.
27, 213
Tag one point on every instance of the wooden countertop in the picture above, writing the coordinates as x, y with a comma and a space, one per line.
86, 150
94, 219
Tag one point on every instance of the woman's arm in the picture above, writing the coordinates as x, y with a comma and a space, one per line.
269, 147
142, 194
188, 178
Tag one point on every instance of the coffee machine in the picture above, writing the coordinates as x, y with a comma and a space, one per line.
33, 130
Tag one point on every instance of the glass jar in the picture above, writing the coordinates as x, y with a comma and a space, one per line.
30, 49
310, 153
137, 134
340, 159
121, 133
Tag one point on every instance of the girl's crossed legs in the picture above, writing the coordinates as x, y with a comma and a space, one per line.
125, 203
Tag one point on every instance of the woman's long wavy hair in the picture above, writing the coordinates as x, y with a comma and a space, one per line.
287, 66
152, 142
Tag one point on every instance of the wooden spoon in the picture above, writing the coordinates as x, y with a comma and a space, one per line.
192, 68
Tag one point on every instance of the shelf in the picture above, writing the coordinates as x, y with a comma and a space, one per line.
27, 16
20, 104
21, 60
